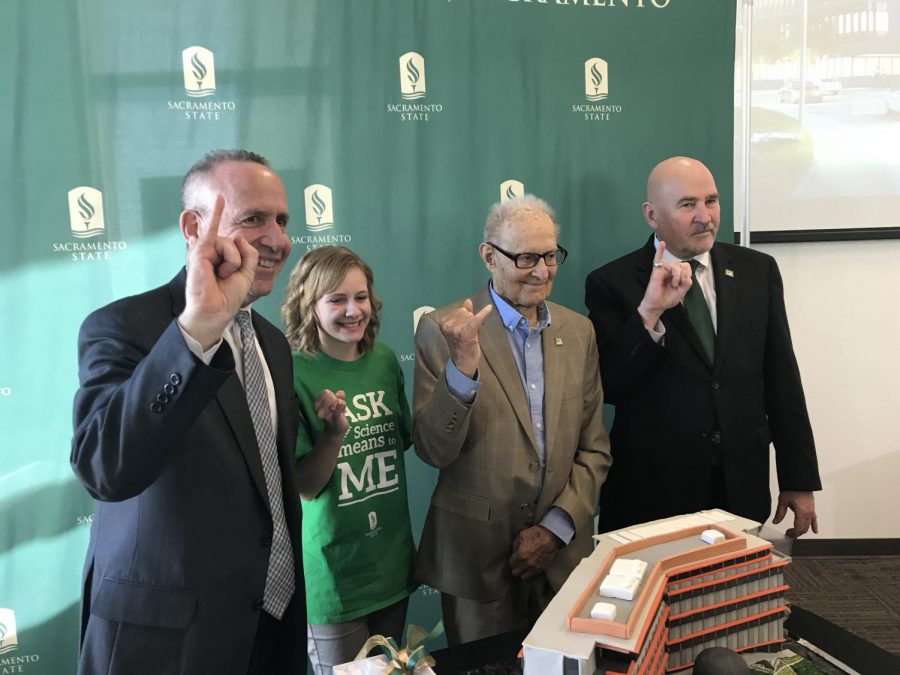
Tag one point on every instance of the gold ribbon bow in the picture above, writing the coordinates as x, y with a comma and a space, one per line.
412, 658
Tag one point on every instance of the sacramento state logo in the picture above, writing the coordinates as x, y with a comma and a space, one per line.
596, 79
86, 212
198, 70
374, 527
9, 638
9, 642
319, 213
319, 217
596, 90
87, 227
412, 76
412, 88
510, 189
198, 65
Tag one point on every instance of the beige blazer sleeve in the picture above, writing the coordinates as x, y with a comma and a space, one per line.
440, 420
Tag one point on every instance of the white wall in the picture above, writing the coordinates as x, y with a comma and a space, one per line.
842, 300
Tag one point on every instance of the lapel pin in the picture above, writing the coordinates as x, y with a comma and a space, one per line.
728, 272
558, 341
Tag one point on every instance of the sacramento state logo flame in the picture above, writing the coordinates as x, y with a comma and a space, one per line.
510, 189
319, 211
596, 79
198, 65
412, 76
86, 212
9, 639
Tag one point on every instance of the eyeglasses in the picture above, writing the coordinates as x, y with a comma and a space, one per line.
528, 260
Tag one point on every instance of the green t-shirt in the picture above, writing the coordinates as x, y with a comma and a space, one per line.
358, 551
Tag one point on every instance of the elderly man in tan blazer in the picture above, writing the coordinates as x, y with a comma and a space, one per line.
508, 405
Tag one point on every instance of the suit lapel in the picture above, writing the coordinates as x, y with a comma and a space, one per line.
231, 399
726, 289
677, 318
496, 351
282, 381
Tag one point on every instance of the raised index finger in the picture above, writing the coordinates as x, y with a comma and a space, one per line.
209, 229
660, 252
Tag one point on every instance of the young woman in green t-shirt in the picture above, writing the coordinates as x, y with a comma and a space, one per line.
358, 551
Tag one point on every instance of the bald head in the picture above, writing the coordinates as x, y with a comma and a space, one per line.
683, 206
672, 173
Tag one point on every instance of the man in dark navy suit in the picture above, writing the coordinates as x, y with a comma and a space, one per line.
184, 430
700, 368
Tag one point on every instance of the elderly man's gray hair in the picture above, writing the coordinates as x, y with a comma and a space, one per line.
503, 213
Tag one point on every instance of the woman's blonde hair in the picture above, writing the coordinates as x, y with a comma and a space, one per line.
318, 273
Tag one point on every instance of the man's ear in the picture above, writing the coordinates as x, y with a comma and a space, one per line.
650, 214
486, 251
189, 222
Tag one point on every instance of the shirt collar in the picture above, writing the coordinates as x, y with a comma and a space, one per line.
702, 258
248, 309
512, 318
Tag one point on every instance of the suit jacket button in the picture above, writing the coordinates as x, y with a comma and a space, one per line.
266, 541
532, 466
162, 398
175, 379
715, 385
525, 507
156, 407
169, 389
257, 605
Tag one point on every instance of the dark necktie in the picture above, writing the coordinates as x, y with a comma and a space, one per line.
698, 312
280, 576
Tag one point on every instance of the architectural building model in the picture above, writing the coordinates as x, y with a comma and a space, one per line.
709, 581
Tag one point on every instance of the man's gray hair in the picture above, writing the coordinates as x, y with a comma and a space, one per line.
205, 166
504, 213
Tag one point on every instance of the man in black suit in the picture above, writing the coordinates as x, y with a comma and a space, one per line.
701, 370
184, 430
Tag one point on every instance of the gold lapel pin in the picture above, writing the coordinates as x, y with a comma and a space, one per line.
728, 272
558, 341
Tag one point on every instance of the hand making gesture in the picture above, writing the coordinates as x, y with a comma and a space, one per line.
220, 272
460, 329
667, 286
329, 407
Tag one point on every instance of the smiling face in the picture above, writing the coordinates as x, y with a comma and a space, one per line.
256, 208
524, 289
683, 206
343, 314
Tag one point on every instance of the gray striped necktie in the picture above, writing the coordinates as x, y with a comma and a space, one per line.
280, 576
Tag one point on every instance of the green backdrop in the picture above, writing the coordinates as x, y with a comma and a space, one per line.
393, 123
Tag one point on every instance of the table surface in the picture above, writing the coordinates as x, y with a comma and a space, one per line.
498, 655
